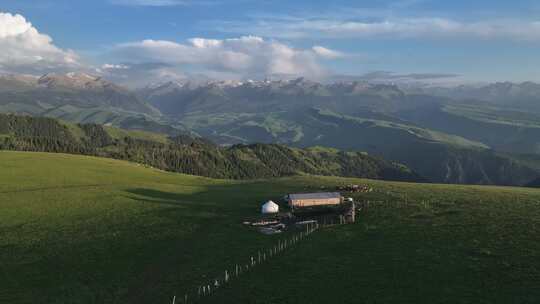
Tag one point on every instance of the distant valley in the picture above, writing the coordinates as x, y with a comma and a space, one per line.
449, 135
444, 139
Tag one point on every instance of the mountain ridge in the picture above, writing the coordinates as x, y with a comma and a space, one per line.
440, 137
186, 154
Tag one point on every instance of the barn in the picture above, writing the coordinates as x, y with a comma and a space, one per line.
314, 199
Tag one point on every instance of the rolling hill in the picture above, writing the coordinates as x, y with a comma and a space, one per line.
79, 98
433, 131
191, 155
434, 136
108, 231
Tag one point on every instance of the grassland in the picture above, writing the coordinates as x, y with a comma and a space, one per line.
88, 230
497, 115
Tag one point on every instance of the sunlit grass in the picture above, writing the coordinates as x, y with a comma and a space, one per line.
88, 230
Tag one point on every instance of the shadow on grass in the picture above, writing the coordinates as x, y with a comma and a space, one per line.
242, 198
215, 215
161, 197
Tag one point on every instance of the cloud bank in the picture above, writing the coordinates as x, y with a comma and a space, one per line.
327, 53
22, 46
400, 28
156, 3
247, 56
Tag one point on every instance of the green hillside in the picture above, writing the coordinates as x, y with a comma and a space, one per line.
186, 154
79, 229
456, 135
446, 140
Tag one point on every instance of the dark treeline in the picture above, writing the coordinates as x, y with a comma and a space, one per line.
190, 155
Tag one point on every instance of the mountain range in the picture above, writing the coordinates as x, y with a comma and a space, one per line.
445, 139
467, 134
78, 97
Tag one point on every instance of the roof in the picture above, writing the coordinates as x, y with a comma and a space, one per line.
322, 195
270, 203
270, 207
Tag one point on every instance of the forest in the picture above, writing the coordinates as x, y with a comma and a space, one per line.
192, 155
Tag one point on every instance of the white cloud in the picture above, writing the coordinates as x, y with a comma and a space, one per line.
108, 66
158, 3
413, 27
247, 56
147, 2
327, 53
22, 46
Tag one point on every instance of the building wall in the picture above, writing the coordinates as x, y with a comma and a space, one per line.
315, 202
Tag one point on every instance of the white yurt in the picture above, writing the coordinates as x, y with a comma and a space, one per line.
270, 207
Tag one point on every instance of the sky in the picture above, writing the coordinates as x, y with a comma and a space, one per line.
138, 41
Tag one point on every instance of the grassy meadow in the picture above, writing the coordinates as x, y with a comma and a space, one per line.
78, 229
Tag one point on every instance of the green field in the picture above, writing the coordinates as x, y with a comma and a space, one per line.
80, 229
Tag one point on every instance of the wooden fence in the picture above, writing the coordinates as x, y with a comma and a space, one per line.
235, 271
265, 255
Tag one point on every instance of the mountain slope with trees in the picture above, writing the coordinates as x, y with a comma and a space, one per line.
435, 133
413, 128
190, 155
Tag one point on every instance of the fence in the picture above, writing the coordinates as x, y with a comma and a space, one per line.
237, 270
267, 254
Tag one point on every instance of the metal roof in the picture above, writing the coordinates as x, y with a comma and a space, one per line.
322, 195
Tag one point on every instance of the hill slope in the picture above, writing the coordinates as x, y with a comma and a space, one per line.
78, 90
79, 98
107, 231
443, 139
191, 155
432, 135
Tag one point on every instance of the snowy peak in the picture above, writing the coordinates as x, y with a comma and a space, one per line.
298, 86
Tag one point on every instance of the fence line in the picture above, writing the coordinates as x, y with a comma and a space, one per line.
267, 254
264, 255
237, 270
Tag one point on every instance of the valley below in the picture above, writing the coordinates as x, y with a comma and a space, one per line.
445, 136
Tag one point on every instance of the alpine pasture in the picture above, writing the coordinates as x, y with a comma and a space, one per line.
77, 229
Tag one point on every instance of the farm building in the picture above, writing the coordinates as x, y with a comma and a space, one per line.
314, 199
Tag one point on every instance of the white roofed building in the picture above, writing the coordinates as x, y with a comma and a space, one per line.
269, 208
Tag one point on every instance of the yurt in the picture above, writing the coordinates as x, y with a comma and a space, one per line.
270, 207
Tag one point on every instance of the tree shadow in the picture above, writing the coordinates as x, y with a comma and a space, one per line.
160, 197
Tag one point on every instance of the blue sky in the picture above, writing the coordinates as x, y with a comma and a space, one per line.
154, 39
